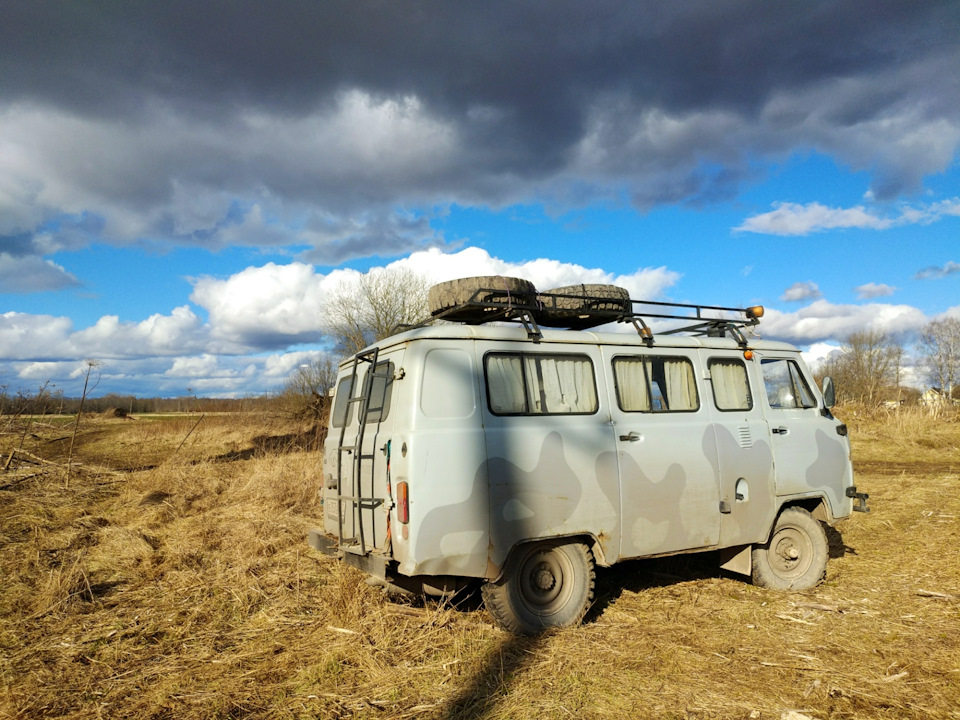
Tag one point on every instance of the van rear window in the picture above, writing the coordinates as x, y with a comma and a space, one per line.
535, 384
343, 410
379, 386
654, 383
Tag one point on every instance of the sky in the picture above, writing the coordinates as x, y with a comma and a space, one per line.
183, 185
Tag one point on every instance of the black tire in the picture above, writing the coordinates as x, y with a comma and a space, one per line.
583, 305
503, 290
544, 585
795, 558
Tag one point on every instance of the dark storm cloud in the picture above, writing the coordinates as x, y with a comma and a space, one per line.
532, 57
165, 117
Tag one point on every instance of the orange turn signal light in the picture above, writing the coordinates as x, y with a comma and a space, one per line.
403, 503
748, 354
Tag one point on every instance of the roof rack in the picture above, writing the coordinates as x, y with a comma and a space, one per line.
580, 312
699, 320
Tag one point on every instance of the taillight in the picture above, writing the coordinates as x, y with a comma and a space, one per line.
403, 503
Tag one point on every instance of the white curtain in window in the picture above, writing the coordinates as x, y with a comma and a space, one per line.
681, 385
505, 383
567, 385
730, 388
632, 385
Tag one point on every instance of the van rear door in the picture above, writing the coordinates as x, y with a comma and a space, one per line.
357, 497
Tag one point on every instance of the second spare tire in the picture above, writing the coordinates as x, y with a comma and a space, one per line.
581, 306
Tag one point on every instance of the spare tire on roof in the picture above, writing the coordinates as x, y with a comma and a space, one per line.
452, 297
580, 306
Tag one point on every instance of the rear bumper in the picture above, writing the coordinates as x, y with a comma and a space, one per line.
375, 565
324, 543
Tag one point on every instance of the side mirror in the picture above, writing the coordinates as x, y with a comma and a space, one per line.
829, 392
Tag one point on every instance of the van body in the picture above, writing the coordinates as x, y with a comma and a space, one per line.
454, 449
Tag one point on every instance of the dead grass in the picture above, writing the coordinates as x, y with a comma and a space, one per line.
168, 583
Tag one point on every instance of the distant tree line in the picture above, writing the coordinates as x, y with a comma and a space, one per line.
53, 402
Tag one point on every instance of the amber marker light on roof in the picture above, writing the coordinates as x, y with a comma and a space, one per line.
748, 354
755, 312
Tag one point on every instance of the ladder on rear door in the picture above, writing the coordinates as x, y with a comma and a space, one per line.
356, 497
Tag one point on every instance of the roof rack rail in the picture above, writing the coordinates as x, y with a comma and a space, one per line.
580, 312
698, 320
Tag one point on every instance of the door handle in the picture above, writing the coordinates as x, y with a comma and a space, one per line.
631, 437
779, 430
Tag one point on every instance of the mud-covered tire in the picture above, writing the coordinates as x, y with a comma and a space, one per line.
795, 558
501, 289
544, 585
582, 305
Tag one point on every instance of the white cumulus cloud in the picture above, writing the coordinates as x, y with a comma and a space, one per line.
788, 218
821, 321
801, 291
873, 290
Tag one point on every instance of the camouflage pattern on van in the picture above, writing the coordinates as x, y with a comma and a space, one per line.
549, 500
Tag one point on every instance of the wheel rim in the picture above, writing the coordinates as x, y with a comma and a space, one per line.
790, 552
545, 581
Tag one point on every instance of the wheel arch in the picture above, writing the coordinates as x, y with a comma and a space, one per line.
816, 505
495, 573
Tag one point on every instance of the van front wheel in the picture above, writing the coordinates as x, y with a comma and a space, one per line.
544, 584
795, 558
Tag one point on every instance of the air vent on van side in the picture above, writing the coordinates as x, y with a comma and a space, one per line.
746, 440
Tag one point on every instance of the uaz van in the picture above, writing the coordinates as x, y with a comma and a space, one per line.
498, 451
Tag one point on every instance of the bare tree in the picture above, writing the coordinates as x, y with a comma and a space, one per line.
307, 391
867, 369
939, 349
369, 308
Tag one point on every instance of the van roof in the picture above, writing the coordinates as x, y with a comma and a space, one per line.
457, 331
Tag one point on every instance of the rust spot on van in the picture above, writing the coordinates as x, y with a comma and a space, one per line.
492, 570
603, 540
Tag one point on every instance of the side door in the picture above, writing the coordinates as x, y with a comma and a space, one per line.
744, 455
670, 491
551, 457
357, 497
810, 456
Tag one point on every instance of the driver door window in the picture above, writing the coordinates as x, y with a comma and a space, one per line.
785, 386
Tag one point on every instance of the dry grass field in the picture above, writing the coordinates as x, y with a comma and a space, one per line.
168, 577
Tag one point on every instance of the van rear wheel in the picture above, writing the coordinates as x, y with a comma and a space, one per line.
795, 558
544, 584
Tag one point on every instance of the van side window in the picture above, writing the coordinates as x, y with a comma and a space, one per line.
380, 391
785, 385
655, 384
534, 384
343, 410
731, 389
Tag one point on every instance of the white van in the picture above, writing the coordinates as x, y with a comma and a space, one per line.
519, 457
